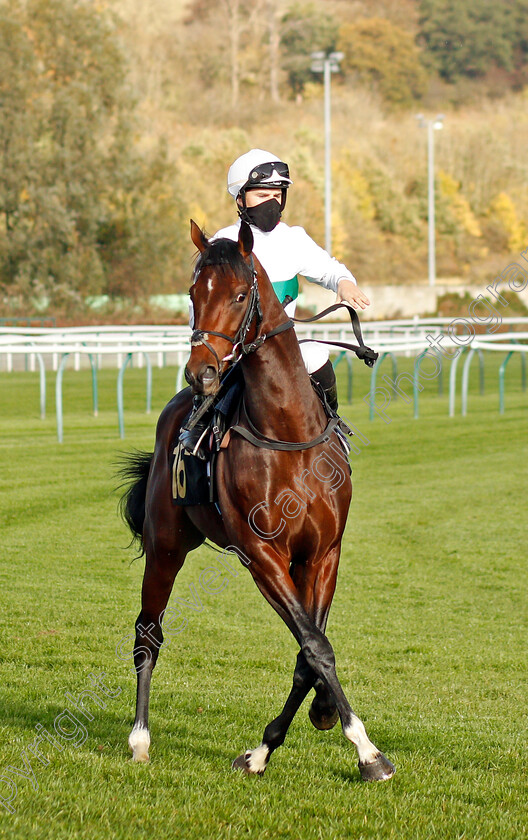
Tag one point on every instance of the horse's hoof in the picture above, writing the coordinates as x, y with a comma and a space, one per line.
140, 756
378, 770
140, 751
240, 763
323, 721
244, 763
139, 743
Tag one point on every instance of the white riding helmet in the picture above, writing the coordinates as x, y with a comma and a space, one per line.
257, 168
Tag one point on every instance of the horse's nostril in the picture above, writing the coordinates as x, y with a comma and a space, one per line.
189, 376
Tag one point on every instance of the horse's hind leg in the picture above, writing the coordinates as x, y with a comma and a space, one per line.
168, 535
256, 761
323, 711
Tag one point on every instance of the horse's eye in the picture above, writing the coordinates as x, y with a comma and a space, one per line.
241, 297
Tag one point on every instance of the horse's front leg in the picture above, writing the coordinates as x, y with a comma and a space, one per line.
160, 571
316, 584
279, 589
315, 593
169, 536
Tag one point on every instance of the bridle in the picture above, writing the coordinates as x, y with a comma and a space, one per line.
241, 349
253, 311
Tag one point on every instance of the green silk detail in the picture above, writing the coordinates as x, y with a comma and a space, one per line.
287, 287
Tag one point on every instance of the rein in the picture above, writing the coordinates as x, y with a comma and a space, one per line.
368, 355
254, 308
240, 349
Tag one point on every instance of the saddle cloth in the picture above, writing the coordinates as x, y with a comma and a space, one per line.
191, 476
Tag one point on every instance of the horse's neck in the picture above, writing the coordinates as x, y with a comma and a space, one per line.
279, 398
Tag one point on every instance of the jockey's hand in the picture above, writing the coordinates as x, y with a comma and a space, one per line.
348, 292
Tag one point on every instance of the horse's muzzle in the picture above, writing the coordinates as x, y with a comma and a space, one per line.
206, 381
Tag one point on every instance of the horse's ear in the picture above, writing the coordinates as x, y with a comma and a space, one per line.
198, 237
245, 239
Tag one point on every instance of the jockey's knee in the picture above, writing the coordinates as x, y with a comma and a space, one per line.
314, 355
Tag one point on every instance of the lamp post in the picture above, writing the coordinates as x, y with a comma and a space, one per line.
327, 63
432, 125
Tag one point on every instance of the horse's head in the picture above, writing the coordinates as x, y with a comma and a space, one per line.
226, 306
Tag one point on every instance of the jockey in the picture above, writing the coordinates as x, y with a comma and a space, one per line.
259, 181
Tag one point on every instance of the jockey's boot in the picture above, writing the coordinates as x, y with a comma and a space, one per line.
192, 439
326, 378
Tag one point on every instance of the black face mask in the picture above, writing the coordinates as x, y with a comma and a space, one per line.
265, 216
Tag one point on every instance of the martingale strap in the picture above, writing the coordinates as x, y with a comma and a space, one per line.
258, 439
368, 355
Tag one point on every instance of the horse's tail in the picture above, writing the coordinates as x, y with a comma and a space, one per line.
134, 471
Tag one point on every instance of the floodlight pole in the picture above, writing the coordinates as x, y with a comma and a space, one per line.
431, 203
327, 64
328, 158
431, 126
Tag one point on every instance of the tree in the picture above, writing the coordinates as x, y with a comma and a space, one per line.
236, 22
274, 19
469, 37
305, 29
68, 169
379, 52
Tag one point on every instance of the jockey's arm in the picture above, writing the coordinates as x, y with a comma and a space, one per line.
326, 271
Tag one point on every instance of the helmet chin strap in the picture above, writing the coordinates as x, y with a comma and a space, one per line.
241, 209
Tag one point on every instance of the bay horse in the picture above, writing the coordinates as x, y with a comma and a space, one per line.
238, 319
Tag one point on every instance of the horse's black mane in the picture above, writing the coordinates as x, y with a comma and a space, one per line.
223, 252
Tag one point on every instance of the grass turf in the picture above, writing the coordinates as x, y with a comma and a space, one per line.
429, 626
